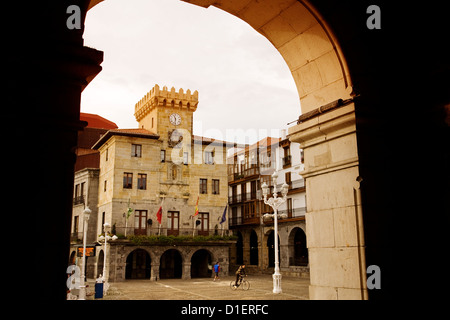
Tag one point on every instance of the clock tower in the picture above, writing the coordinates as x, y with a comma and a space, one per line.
167, 113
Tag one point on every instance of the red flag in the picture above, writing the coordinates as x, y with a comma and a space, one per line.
196, 208
159, 214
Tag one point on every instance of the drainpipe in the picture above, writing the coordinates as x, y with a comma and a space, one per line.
360, 238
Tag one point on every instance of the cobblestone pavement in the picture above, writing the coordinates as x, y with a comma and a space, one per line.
206, 289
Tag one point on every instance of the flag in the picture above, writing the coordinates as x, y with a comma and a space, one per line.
224, 216
159, 214
196, 208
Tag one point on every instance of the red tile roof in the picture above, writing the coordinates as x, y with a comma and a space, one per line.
141, 133
96, 121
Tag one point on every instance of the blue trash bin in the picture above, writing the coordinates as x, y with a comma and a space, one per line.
99, 290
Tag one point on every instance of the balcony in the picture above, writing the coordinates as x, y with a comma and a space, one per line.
291, 214
243, 173
155, 231
78, 200
287, 161
245, 197
239, 221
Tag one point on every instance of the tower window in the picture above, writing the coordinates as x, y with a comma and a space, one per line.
203, 187
127, 180
136, 150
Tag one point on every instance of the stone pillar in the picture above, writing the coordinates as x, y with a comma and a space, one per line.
186, 272
246, 247
154, 274
333, 217
57, 67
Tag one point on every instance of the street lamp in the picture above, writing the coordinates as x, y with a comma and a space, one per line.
275, 202
105, 238
86, 214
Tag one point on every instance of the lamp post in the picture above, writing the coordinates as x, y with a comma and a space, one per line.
86, 214
275, 202
105, 238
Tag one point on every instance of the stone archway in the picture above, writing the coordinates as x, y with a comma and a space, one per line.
297, 247
171, 265
201, 264
138, 265
254, 248
100, 263
326, 132
57, 85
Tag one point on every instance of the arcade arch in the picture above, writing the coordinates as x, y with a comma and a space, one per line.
254, 248
138, 265
201, 264
170, 266
298, 251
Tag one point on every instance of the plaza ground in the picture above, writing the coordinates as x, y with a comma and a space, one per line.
206, 289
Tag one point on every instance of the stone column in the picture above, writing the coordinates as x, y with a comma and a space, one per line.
154, 276
47, 101
246, 246
333, 219
186, 272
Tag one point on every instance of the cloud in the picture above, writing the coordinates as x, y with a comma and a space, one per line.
243, 81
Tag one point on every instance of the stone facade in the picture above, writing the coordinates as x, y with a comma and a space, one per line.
334, 216
255, 247
120, 252
161, 164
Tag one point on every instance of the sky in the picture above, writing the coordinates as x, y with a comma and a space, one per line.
246, 91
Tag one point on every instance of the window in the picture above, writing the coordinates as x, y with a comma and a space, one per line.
103, 221
253, 189
287, 157
75, 225
289, 207
127, 180
142, 181
174, 172
185, 157
163, 155
106, 154
288, 180
209, 157
203, 217
173, 219
203, 187
215, 186
136, 150
140, 222
104, 187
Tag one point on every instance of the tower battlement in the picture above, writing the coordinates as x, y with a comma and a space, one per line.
165, 98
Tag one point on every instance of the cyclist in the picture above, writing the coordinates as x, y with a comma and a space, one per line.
239, 274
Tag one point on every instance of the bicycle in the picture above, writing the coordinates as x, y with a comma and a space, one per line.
244, 284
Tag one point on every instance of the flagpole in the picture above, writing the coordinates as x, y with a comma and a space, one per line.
159, 227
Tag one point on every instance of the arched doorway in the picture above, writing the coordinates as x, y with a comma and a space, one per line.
100, 262
271, 249
298, 251
253, 248
201, 264
171, 265
239, 249
138, 265
72, 258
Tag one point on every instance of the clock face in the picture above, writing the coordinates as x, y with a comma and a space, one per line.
175, 119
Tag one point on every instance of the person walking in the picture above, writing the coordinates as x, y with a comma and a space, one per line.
216, 270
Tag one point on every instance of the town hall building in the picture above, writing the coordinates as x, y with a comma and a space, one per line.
164, 193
